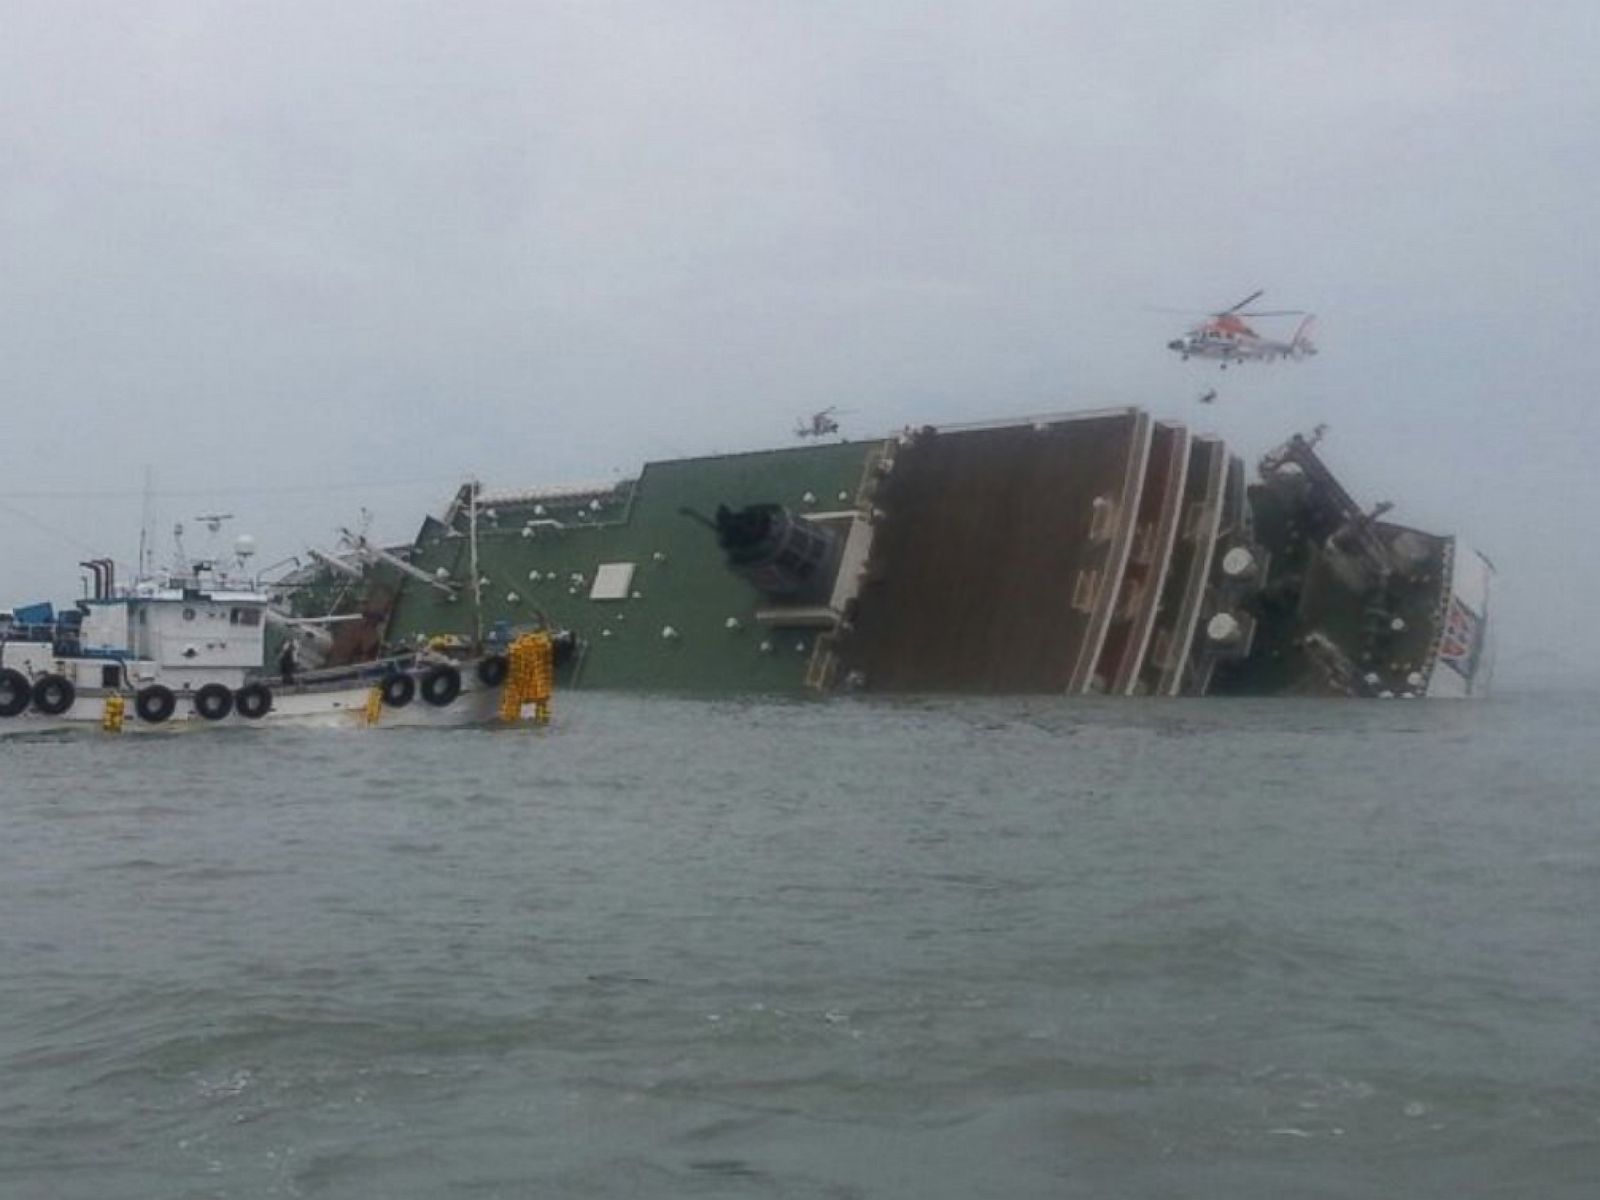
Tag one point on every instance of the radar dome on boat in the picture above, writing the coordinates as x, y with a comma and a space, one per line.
244, 546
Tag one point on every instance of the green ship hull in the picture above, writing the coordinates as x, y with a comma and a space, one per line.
1089, 553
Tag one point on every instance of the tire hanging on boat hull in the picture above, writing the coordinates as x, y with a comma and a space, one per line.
155, 703
53, 694
14, 693
398, 690
253, 701
441, 685
213, 702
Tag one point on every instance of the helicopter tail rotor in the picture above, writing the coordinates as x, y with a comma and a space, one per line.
1301, 345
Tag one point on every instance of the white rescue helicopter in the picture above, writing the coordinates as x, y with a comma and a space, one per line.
1226, 337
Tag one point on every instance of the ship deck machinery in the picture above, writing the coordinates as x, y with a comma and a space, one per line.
1101, 552
1353, 604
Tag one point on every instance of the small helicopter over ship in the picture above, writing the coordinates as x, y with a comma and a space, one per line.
1227, 337
819, 424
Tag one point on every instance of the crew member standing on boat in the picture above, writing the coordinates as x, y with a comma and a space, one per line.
288, 660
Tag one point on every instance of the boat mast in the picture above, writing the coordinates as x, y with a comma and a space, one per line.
472, 557
146, 519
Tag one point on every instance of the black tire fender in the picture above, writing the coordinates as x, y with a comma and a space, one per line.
155, 703
253, 701
399, 689
53, 694
441, 685
213, 702
15, 694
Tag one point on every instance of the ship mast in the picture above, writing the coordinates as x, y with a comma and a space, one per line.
146, 519
472, 557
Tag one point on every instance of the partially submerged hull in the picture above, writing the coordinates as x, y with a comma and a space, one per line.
1091, 553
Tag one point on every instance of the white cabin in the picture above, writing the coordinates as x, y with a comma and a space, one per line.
183, 638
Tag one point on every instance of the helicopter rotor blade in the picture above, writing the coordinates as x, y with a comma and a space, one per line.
1255, 295
1280, 312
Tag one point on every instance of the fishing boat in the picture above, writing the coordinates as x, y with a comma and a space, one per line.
190, 650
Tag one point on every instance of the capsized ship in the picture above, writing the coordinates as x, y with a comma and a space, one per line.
1098, 552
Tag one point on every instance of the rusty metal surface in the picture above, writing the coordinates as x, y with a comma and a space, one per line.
983, 540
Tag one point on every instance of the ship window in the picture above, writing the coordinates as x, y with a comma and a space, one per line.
245, 616
188, 614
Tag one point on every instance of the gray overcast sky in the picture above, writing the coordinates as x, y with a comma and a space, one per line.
300, 258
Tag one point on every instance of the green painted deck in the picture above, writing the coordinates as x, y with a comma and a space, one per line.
680, 580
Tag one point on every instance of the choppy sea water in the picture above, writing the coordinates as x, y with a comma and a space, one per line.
677, 948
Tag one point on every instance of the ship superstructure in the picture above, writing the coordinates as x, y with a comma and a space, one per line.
1100, 552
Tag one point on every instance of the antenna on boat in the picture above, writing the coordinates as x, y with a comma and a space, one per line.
146, 519
213, 521
473, 488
